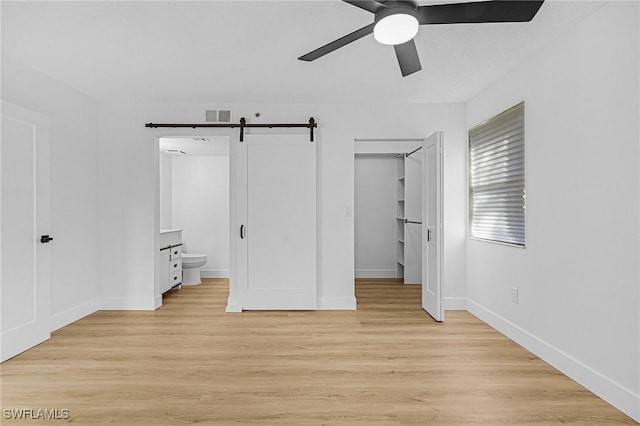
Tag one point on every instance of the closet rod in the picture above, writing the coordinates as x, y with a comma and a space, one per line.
412, 221
243, 125
414, 151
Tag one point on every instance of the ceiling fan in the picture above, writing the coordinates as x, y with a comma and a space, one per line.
397, 22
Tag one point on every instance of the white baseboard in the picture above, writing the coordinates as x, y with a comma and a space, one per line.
375, 273
336, 304
128, 304
23, 338
455, 303
233, 306
66, 317
615, 394
214, 273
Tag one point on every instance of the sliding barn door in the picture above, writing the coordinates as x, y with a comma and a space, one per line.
277, 222
432, 217
24, 253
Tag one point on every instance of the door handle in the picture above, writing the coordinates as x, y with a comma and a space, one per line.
45, 239
242, 232
428, 235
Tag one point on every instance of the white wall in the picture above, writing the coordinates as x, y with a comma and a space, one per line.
127, 185
578, 277
166, 198
74, 184
375, 216
201, 209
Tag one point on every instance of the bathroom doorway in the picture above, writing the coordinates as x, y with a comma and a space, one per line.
194, 197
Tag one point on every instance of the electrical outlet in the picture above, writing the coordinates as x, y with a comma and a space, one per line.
514, 294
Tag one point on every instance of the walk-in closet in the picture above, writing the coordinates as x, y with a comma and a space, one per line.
388, 212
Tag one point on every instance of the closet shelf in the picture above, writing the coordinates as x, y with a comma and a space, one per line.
399, 218
401, 178
400, 262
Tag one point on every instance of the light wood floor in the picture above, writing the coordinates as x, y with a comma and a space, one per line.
386, 364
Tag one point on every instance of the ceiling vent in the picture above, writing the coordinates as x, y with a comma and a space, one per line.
217, 116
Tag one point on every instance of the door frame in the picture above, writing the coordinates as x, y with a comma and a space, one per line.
396, 146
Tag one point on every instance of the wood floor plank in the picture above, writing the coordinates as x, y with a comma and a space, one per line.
388, 363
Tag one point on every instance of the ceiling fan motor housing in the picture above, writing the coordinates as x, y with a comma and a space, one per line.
396, 23
395, 7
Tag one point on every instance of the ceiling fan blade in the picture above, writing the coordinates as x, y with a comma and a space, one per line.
408, 57
368, 5
479, 12
336, 44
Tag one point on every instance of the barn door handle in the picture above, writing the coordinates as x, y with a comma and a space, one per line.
45, 239
242, 232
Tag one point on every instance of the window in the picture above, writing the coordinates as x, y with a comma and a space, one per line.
496, 178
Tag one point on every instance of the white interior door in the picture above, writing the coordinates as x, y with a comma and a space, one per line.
432, 253
24, 217
277, 220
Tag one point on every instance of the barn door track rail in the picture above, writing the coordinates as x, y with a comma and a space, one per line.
242, 125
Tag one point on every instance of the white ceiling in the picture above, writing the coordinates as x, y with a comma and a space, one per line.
212, 146
246, 51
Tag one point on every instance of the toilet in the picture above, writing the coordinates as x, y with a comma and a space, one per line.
191, 264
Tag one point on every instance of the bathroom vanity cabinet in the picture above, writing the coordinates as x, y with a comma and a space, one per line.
170, 259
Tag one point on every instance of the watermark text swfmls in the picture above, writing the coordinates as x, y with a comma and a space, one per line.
35, 414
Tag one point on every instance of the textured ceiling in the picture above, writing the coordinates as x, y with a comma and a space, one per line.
246, 51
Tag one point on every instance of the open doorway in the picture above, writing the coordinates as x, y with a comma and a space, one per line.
193, 210
398, 220
386, 249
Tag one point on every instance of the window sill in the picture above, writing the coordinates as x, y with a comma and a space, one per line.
498, 243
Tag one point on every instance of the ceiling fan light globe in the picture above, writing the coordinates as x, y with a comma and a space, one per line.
396, 29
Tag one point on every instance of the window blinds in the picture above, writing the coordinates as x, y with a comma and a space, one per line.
496, 187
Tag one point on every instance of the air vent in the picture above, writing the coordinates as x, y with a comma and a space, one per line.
217, 116
224, 116
211, 116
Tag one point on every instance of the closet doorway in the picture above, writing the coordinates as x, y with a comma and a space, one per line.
398, 187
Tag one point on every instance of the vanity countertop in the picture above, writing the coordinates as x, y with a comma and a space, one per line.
166, 231
170, 237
